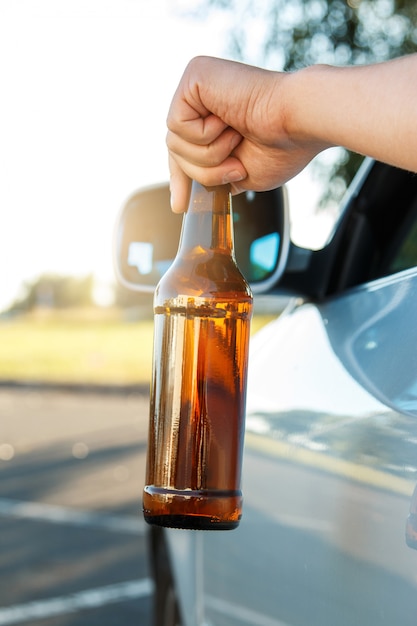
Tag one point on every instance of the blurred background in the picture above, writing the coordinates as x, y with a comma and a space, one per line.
86, 86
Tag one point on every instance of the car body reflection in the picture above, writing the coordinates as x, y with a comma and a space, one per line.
330, 467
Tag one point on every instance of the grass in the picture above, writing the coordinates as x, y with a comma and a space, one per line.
86, 347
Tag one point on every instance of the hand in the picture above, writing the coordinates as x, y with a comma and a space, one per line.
256, 129
227, 124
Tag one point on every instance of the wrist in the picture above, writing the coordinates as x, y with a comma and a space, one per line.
306, 118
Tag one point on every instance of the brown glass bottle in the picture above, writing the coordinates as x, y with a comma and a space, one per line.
203, 307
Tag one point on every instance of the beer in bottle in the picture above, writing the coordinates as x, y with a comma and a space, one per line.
203, 308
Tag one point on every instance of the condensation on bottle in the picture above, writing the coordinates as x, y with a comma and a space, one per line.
202, 313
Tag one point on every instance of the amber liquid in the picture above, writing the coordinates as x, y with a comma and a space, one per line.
197, 413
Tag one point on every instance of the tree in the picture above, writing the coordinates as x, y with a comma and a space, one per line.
55, 291
287, 35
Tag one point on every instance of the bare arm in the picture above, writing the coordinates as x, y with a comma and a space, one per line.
370, 109
230, 122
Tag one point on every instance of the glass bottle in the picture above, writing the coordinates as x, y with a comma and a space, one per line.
203, 308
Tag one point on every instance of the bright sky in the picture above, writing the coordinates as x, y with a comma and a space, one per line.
85, 89
86, 86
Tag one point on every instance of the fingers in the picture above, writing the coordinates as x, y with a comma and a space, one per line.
200, 142
202, 152
195, 124
213, 164
179, 186
182, 173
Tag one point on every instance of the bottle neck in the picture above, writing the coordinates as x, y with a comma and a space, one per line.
208, 223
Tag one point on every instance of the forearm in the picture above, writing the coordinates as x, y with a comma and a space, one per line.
367, 109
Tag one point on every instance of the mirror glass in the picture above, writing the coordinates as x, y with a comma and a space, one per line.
263, 254
147, 236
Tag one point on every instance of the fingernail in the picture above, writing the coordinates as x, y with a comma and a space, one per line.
232, 177
172, 194
172, 200
236, 139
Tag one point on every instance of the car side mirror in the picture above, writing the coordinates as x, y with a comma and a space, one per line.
147, 235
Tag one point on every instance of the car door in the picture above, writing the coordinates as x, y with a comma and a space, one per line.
330, 460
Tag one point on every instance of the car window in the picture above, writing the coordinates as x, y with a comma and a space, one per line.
404, 253
380, 237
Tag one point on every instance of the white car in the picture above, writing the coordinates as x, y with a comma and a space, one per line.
329, 527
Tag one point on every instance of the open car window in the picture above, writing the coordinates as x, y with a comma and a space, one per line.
402, 254
379, 237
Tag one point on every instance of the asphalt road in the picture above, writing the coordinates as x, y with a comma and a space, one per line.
72, 538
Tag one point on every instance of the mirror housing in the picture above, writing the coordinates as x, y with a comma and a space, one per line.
147, 235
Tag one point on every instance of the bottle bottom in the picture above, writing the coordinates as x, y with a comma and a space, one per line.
189, 522
193, 510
